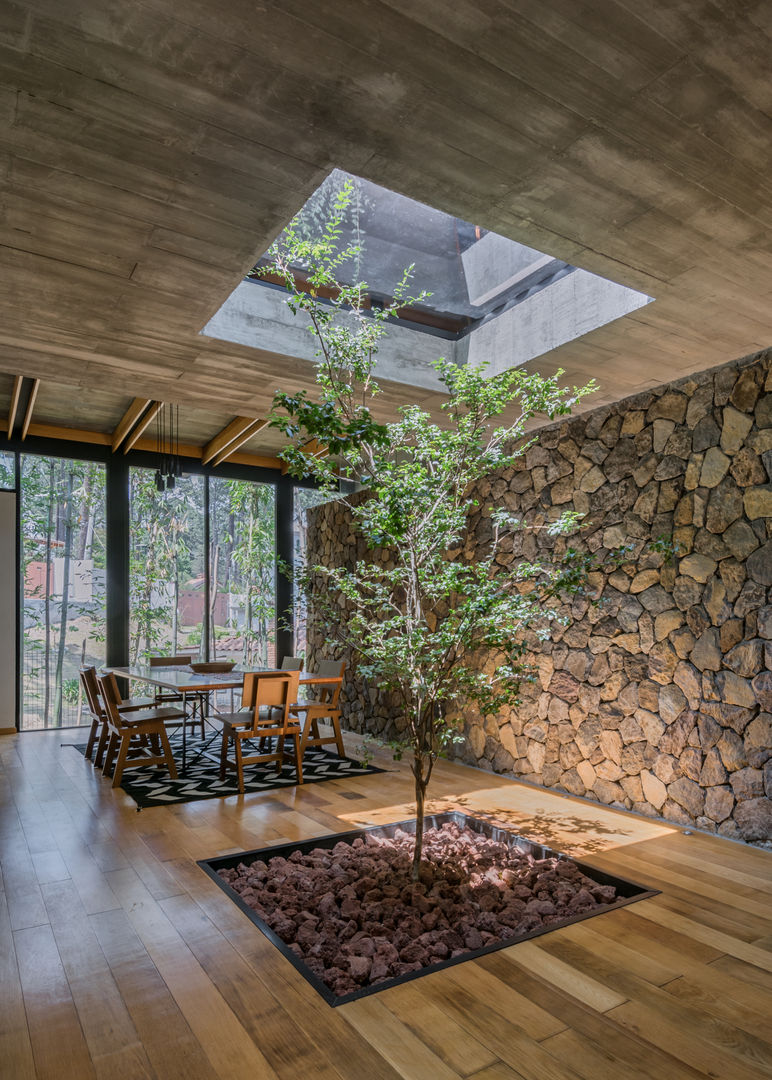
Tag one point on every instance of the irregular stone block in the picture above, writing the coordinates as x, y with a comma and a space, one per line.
741, 540
672, 703
719, 803
654, 790
759, 565
762, 688
670, 406
713, 772
588, 736
732, 751
746, 390
676, 736
709, 731
754, 819
608, 770
746, 659
730, 634
571, 782
752, 597
706, 654
698, 567
747, 468
565, 686
715, 466
725, 505
666, 768
757, 502
715, 602
735, 690
670, 466
688, 795
608, 792
734, 429
586, 773
747, 784
662, 663
686, 592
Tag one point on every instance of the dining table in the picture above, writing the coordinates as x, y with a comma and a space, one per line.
192, 684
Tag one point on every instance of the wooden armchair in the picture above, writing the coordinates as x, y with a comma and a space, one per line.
88, 678
268, 700
324, 706
142, 731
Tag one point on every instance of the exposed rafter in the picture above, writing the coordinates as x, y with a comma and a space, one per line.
30, 406
141, 427
103, 438
245, 436
228, 436
129, 419
17, 381
313, 448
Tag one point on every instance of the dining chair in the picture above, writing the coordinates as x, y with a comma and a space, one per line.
269, 715
127, 729
292, 663
325, 706
89, 682
169, 697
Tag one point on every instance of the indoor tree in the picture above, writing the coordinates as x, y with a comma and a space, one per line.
425, 620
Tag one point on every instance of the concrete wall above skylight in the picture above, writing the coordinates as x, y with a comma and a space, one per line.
493, 301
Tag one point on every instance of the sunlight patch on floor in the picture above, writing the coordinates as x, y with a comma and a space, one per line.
558, 821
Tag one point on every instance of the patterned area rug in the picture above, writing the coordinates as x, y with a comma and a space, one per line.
153, 787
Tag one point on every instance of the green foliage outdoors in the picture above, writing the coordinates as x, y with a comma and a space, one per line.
62, 521
425, 622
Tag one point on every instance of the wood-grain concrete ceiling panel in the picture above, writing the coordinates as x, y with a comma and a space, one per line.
152, 155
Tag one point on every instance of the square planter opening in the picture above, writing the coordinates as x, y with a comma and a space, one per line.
343, 911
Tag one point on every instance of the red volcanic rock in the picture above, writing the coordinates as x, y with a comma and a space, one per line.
355, 918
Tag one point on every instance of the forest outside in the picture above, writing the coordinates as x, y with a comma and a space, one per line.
177, 550
63, 575
191, 577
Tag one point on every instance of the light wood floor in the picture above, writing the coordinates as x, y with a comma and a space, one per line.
119, 958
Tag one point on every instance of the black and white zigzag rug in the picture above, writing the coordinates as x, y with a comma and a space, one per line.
153, 787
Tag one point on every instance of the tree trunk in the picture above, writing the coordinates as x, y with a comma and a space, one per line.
67, 523
421, 780
84, 522
248, 624
175, 610
47, 604
213, 585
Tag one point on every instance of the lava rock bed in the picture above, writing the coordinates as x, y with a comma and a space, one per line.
355, 919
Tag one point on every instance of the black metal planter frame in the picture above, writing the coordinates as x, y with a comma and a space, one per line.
628, 891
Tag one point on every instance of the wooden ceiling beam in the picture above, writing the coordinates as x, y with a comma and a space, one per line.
30, 406
235, 444
104, 438
17, 381
141, 427
225, 438
128, 420
313, 448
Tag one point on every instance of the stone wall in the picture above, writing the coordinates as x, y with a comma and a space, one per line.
658, 700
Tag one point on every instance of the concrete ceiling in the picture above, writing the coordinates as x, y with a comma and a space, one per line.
149, 152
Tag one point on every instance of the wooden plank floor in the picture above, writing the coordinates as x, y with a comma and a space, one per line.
120, 959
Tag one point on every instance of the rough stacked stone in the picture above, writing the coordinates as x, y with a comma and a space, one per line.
659, 699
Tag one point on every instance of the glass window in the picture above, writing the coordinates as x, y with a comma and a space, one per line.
167, 593
242, 572
7, 470
63, 585
304, 499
